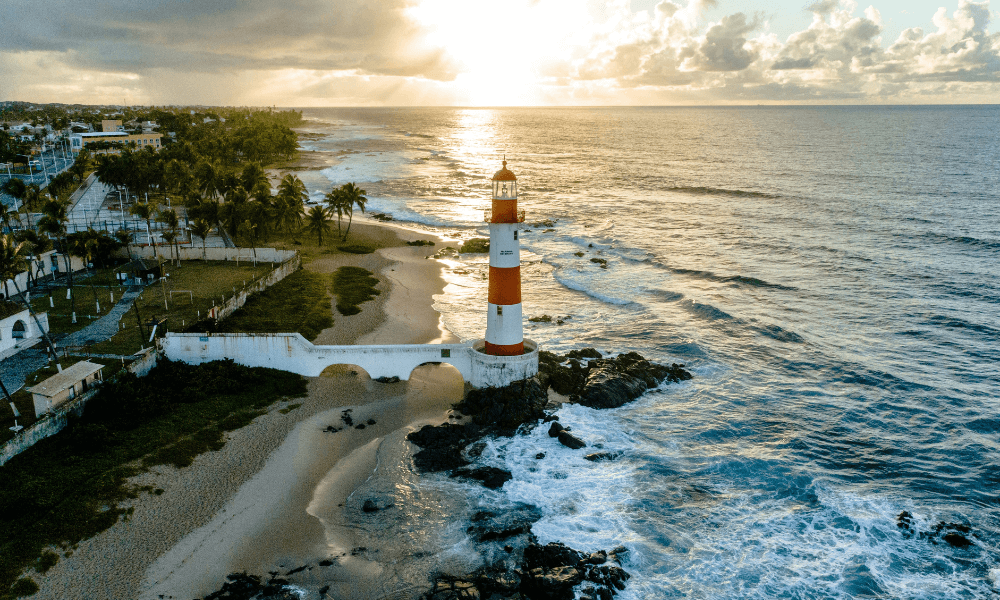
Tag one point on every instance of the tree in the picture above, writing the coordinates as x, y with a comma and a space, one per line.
169, 218
352, 196
14, 260
318, 221
202, 229
338, 205
290, 201
54, 223
144, 210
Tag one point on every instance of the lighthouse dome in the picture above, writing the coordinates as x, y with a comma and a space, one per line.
504, 174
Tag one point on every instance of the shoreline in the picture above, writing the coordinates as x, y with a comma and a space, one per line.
148, 553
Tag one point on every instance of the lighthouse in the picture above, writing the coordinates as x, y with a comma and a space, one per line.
504, 329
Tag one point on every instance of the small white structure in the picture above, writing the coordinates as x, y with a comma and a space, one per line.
292, 352
20, 331
64, 386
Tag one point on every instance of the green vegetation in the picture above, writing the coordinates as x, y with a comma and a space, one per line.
210, 283
353, 286
299, 302
420, 243
475, 245
70, 487
356, 249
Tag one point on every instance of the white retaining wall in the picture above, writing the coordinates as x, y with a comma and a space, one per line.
280, 272
292, 352
264, 255
31, 331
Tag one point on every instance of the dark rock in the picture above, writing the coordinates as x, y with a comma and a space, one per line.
584, 353
555, 428
550, 556
540, 456
571, 441
606, 388
331, 429
953, 534
540, 319
325, 562
555, 583
618, 554
392, 379
371, 421
359, 426
578, 253
597, 558
296, 570
452, 588
490, 477
370, 506
600, 261
601, 456
241, 586
441, 446
323, 590
500, 525
345, 416
502, 410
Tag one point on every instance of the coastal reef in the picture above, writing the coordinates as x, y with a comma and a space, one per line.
526, 569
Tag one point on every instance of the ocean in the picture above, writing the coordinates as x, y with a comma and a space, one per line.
831, 277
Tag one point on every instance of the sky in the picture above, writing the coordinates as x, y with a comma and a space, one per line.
511, 53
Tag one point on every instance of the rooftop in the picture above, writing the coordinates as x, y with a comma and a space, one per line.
62, 381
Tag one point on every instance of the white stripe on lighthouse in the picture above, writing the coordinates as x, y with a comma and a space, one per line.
504, 328
505, 249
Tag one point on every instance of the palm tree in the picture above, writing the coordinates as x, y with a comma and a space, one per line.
337, 203
144, 210
352, 196
54, 223
14, 260
124, 236
202, 229
318, 221
169, 218
290, 201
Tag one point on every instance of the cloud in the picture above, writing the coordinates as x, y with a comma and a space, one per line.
309, 52
213, 37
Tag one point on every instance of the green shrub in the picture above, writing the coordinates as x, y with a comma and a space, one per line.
356, 249
353, 286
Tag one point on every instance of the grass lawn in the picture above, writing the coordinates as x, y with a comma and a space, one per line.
70, 487
210, 283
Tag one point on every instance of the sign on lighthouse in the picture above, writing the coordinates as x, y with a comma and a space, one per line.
504, 329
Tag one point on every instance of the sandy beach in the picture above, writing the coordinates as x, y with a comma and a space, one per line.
278, 494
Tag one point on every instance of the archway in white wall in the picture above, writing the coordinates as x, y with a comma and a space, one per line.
19, 332
436, 384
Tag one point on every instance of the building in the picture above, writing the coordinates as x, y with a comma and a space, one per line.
18, 330
79, 141
64, 386
109, 126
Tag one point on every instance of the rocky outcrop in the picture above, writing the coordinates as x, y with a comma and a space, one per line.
502, 410
490, 477
605, 382
503, 524
570, 441
956, 535
441, 446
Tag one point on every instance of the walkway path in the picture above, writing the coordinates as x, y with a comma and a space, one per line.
16, 368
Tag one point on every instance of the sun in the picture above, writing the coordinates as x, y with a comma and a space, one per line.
504, 50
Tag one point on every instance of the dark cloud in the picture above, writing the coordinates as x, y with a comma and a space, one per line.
724, 48
372, 36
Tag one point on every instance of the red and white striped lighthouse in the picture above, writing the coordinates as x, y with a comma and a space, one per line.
504, 329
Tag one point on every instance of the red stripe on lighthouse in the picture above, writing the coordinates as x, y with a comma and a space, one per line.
505, 349
504, 211
505, 285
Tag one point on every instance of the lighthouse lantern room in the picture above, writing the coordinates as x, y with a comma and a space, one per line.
504, 329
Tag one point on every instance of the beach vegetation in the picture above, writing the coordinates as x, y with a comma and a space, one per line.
475, 245
70, 487
317, 222
353, 286
356, 249
299, 302
342, 201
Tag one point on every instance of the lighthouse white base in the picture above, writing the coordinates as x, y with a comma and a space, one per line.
498, 371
